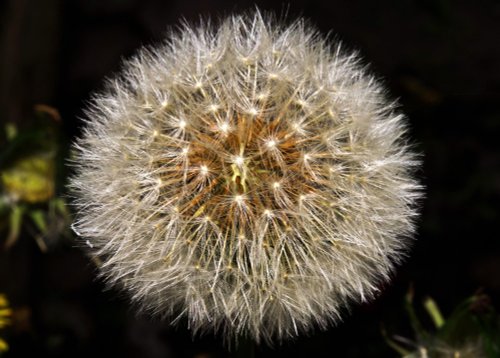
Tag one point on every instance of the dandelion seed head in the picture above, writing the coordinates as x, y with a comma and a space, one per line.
274, 188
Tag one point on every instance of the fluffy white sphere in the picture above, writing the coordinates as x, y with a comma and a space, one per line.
250, 177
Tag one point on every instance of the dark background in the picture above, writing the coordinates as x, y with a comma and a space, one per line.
440, 58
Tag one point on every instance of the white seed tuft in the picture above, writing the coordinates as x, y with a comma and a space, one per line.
204, 169
284, 193
239, 160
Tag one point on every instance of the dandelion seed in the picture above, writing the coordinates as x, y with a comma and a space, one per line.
204, 169
238, 199
272, 243
301, 103
224, 127
271, 143
262, 96
239, 160
253, 111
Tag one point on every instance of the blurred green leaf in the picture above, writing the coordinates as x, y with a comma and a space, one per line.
434, 312
472, 330
10, 131
38, 218
30, 179
414, 320
15, 220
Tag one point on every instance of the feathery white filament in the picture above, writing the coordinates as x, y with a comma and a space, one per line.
252, 178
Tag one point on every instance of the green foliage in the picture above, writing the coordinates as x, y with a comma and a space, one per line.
28, 189
471, 330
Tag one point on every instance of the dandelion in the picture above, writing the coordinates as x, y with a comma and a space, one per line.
251, 178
